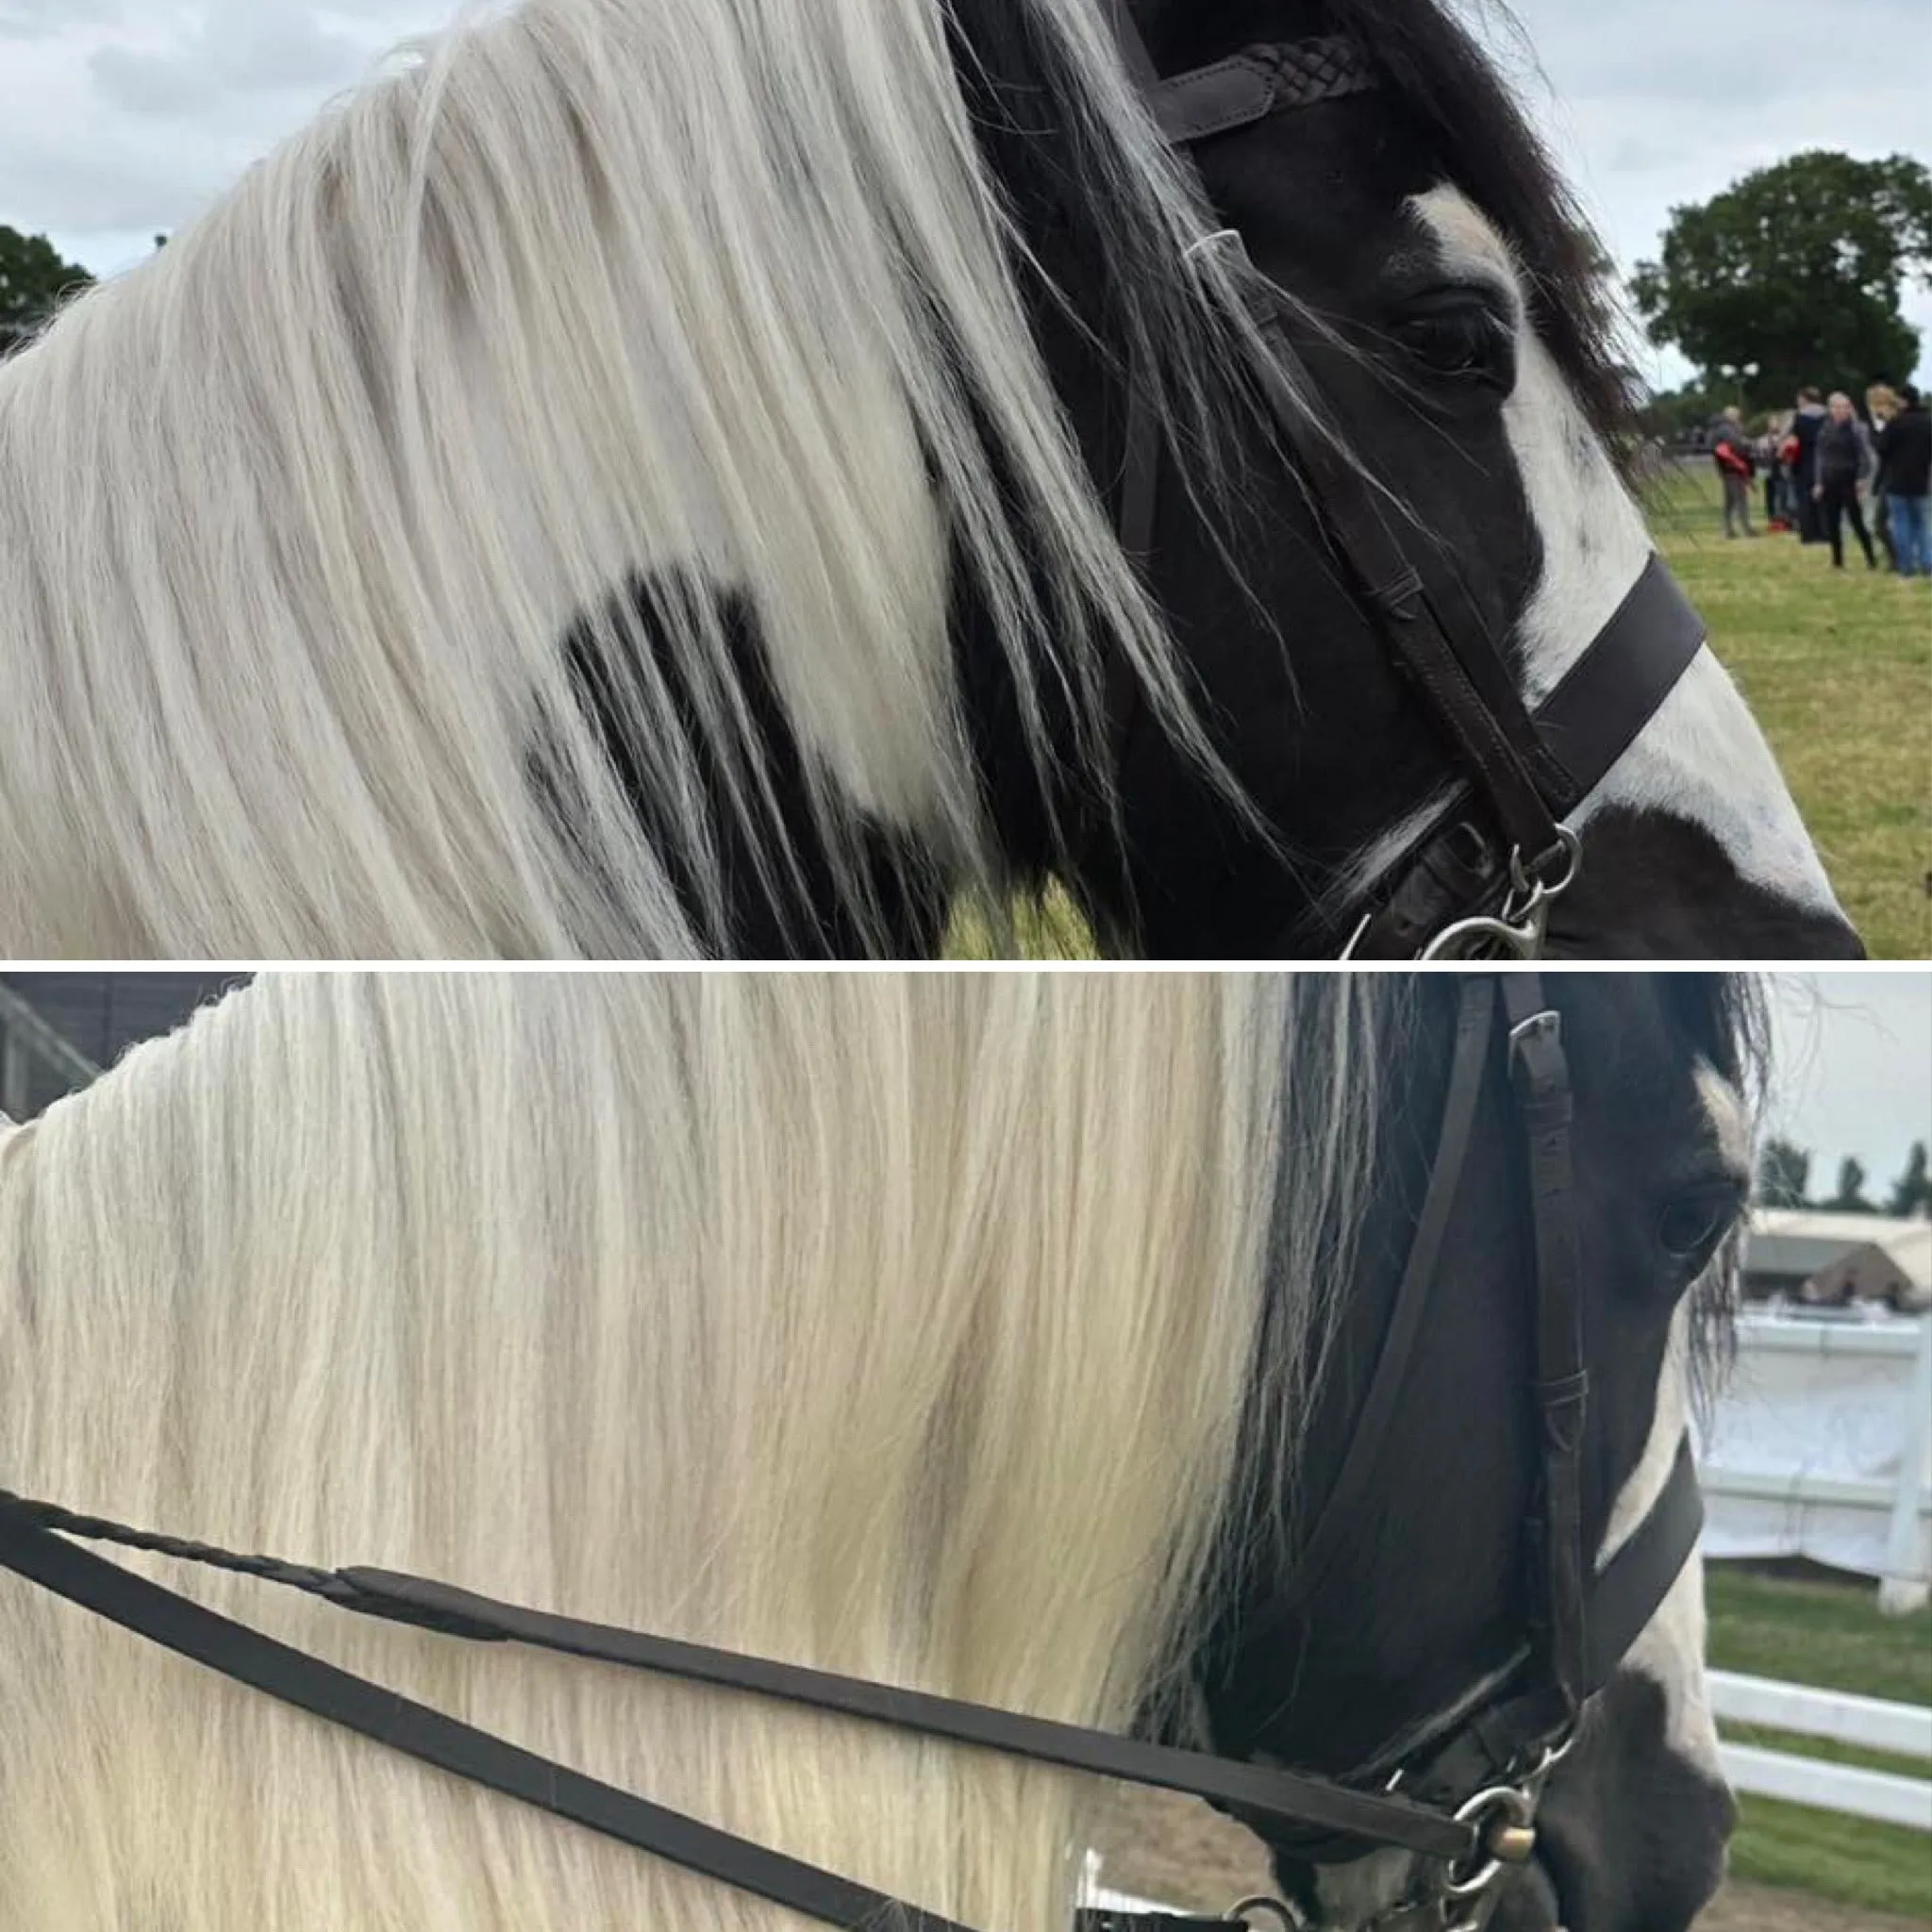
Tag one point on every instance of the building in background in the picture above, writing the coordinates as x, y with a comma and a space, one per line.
1823, 1260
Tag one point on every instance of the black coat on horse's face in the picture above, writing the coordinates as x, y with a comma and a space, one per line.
1335, 750
1430, 1592
1332, 746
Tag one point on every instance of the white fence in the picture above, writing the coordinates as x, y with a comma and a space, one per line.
1822, 1448
1903, 1729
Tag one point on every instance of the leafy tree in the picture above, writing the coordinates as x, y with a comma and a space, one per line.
1911, 1193
33, 280
1800, 271
1850, 1198
1784, 1174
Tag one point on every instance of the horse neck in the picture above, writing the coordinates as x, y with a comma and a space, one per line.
463, 1277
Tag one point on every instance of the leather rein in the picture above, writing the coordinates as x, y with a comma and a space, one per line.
1487, 1755
1479, 877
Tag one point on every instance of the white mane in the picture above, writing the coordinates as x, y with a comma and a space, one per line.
295, 518
897, 1325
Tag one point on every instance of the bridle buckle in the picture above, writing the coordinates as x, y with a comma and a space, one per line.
1521, 929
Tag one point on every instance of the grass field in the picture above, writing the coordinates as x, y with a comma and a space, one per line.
1838, 667
1831, 1636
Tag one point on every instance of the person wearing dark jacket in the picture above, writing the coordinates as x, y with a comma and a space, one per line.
1905, 447
1805, 426
1846, 466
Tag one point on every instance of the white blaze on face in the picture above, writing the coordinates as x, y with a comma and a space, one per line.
1702, 758
1670, 1651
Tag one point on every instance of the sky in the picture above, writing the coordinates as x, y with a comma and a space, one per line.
120, 119
1853, 1059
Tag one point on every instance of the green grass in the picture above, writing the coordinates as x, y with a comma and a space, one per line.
1832, 1636
1879, 1868
1821, 1633
1838, 667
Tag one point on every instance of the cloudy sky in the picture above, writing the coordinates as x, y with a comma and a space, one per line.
1853, 1054
120, 119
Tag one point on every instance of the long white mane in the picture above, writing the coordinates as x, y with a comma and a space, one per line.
711, 295
897, 1325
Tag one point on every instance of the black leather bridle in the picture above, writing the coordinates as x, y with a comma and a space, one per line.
1480, 875
1469, 1775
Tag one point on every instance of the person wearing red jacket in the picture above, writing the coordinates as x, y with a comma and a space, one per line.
1731, 451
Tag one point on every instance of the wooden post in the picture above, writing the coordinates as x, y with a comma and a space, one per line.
1907, 1587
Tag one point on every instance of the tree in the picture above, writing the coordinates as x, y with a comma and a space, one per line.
33, 281
1784, 1174
1850, 1198
1799, 272
1911, 1193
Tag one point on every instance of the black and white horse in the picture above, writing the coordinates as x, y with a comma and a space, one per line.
1012, 1339
643, 479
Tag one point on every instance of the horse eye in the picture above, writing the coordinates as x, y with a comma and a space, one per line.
1692, 1227
1467, 342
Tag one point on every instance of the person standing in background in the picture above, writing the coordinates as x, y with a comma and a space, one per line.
1809, 421
1730, 449
1769, 448
1881, 406
1844, 464
1906, 449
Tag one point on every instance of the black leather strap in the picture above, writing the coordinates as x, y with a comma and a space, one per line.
1617, 686
309, 1684
1255, 83
1268, 1791
1595, 715
1424, 620
1099, 1919
1628, 1590
1541, 1072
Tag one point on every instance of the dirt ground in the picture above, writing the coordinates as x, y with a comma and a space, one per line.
1179, 1852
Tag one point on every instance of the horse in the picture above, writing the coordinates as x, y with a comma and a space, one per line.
1156, 1365
689, 478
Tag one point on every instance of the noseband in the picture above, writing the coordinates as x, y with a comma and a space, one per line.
1479, 878
1477, 1766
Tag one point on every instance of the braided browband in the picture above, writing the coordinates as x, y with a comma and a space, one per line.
1260, 81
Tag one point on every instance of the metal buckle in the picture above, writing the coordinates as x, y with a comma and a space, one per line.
1239, 1915
1521, 930
1505, 1817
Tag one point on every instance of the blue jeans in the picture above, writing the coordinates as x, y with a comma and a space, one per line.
1911, 533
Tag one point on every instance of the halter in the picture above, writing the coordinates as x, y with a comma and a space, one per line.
1475, 1768
1479, 878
